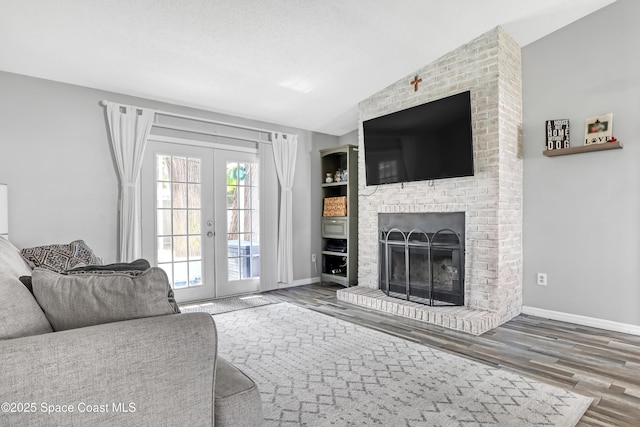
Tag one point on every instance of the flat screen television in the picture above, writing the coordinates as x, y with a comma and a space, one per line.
425, 142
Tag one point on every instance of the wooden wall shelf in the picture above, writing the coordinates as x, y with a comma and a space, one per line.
583, 149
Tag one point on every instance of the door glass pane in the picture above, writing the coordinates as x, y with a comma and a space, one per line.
194, 196
245, 194
195, 249
245, 243
178, 219
179, 169
234, 269
194, 221
195, 273
232, 197
179, 196
194, 170
244, 177
164, 221
163, 192
165, 248
243, 229
233, 243
179, 248
180, 275
163, 168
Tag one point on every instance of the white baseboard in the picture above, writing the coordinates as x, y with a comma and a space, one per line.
299, 282
582, 320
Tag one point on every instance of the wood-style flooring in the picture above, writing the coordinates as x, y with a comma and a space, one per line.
601, 364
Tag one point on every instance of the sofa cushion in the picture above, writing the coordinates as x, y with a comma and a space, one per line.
59, 258
79, 300
20, 314
11, 263
236, 398
134, 268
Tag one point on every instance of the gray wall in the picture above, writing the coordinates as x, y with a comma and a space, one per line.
55, 155
581, 212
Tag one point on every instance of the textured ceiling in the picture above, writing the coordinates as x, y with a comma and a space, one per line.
300, 63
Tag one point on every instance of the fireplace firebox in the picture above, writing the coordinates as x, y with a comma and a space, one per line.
422, 257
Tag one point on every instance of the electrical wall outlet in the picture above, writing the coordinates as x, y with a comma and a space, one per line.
313, 257
542, 279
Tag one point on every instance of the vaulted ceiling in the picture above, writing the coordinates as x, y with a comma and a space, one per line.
300, 63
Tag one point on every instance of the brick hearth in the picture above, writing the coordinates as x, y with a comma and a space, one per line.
464, 319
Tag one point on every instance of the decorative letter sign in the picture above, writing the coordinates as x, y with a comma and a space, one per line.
557, 134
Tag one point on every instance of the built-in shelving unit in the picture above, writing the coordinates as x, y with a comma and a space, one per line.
583, 149
339, 234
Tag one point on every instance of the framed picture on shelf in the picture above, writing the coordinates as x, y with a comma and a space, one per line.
557, 132
598, 129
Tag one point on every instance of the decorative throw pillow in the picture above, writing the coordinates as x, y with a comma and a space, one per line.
79, 300
59, 258
11, 263
134, 268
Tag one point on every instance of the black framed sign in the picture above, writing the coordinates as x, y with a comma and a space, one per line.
557, 132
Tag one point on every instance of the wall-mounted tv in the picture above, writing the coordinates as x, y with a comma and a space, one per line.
425, 142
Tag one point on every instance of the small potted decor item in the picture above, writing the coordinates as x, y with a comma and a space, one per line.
329, 178
345, 175
338, 176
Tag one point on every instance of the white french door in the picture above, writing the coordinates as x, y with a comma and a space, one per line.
178, 217
200, 219
238, 222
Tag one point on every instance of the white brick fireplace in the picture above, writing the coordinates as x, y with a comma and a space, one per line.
490, 68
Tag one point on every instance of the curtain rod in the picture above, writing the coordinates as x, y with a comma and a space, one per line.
199, 119
204, 132
104, 103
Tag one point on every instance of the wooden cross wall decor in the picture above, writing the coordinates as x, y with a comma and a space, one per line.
415, 82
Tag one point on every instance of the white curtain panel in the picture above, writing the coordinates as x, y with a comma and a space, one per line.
284, 153
129, 128
269, 206
4, 210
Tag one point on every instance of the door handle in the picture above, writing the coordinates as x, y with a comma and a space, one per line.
209, 233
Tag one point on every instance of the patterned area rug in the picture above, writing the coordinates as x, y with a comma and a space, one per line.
316, 370
225, 305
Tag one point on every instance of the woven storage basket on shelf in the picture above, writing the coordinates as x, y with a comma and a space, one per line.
335, 206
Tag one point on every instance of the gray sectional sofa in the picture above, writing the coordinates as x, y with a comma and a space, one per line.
153, 371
